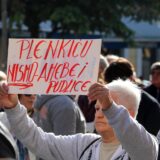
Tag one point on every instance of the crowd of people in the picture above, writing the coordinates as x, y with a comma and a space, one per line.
119, 119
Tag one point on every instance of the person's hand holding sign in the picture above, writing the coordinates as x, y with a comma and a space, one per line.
7, 100
101, 93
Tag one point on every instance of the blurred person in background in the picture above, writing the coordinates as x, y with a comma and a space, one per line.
154, 88
28, 100
149, 108
59, 114
103, 64
87, 108
111, 58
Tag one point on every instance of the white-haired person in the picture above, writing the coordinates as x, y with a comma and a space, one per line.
120, 135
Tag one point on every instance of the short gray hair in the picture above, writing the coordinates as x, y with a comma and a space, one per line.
127, 92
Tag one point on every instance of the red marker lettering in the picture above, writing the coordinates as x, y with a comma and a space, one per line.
82, 70
72, 70
83, 50
70, 50
51, 49
32, 72
62, 48
75, 49
84, 88
25, 45
65, 70
36, 49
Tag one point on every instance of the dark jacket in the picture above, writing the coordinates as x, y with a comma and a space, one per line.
152, 90
149, 113
87, 108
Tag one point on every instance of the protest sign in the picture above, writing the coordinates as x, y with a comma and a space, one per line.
52, 66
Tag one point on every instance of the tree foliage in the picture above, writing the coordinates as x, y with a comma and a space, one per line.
84, 16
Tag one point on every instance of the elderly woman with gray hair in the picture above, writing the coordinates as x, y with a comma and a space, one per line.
120, 135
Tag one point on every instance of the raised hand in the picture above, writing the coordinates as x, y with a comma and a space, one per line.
101, 93
7, 100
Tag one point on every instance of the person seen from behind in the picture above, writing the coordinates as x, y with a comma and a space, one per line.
149, 108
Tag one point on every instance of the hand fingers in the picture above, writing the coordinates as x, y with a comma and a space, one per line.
97, 95
94, 86
97, 91
3, 88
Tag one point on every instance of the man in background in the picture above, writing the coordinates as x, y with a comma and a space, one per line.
154, 88
149, 108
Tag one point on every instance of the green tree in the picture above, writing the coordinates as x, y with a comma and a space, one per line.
83, 16
16, 13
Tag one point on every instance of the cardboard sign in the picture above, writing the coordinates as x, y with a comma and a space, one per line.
52, 66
